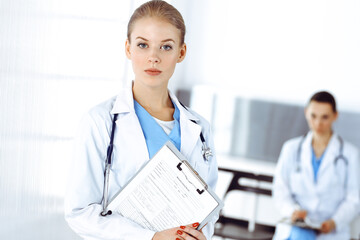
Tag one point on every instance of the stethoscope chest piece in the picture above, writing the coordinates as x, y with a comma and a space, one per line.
206, 152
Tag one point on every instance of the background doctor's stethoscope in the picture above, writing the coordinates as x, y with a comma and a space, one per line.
339, 157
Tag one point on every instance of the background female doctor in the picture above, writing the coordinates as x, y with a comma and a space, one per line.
148, 116
317, 177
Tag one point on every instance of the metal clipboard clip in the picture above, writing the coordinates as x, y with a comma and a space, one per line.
192, 170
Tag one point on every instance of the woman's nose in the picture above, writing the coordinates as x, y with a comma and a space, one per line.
318, 122
154, 60
153, 57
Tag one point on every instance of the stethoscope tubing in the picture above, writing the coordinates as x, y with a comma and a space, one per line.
205, 150
108, 164
336, 159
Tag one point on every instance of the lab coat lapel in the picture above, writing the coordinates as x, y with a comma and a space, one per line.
190, 134
124, 102
330, 154
131, 127
130, 132
306, 158
190, 131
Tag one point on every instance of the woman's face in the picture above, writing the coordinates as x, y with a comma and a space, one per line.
320, 117
154, 48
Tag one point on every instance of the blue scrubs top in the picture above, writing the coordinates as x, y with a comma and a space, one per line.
316, 162
154, 134
298, 233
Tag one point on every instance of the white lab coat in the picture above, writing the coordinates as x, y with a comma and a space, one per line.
84, 195
326, 199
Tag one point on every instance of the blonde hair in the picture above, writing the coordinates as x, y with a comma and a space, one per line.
162, 10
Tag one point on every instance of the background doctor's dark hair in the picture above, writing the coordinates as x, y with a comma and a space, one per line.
159, 9
324, 97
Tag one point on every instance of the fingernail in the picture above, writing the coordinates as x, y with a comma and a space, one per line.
195, 224
182, 227
179, 232
178, 239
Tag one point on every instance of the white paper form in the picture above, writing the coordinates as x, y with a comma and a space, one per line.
162, 196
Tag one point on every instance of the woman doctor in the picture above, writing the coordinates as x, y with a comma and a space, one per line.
148, 116
317, 177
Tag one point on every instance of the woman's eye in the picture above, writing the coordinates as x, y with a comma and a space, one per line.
166, 47
142, 45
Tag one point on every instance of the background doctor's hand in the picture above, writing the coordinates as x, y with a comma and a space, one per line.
187, 232
328, 226
298, 215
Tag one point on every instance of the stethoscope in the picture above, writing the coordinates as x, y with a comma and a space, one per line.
205, 151
340, 156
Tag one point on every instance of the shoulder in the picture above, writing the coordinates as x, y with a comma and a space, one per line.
101, 113
351, 148
293, 143
95, 125
102, 108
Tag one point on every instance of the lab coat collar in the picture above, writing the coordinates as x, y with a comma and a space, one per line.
332, 150
306, 151
190, 131
184, 111
124, 102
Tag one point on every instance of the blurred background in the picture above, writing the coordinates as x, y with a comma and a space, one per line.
251, 67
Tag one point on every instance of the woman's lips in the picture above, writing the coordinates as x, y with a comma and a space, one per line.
153, 71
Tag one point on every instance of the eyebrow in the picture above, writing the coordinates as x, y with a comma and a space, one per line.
142, 38
166, 40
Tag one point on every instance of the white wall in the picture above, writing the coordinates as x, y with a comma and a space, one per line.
280, 50
58, 58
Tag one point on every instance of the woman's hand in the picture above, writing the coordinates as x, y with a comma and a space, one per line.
298, 215
328, 226
168, 234
187, 232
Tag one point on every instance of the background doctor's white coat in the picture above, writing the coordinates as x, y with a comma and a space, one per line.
60, 57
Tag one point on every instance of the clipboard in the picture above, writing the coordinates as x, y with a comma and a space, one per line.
307, 224
165, 193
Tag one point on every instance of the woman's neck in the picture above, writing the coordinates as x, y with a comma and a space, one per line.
155, 101
320, 142
322, 138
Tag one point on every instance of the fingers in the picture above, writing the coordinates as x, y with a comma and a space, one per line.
324, 227
189, 232
298, 215
328, 226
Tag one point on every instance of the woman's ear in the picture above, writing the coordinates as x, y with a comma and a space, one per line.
182, 53
336, 115
127, 49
